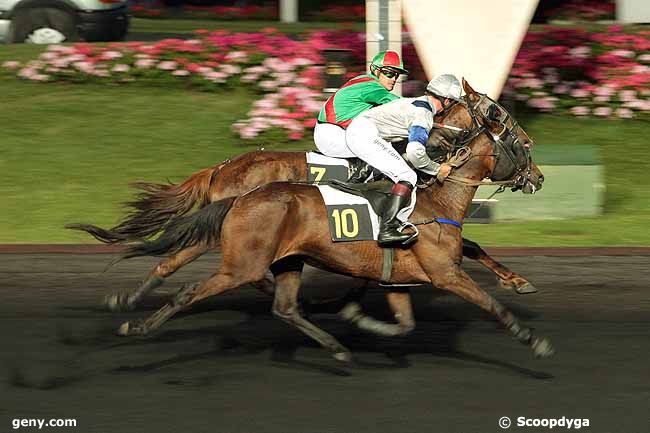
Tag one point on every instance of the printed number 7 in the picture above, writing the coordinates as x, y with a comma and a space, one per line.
319, 172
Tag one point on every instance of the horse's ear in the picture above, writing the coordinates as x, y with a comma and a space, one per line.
468, 89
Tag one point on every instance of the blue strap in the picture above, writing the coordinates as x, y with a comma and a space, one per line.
450, 222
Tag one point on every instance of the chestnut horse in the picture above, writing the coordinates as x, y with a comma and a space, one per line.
296, 230
158, 203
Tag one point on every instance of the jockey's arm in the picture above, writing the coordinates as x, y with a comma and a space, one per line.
416, 152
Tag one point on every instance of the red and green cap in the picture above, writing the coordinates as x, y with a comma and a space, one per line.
388, 59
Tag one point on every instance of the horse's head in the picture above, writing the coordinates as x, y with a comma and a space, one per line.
510, 145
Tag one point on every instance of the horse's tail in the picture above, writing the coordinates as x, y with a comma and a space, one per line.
203, 226
155, 205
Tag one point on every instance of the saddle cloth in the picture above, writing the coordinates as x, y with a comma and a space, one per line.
321, 168
350, 217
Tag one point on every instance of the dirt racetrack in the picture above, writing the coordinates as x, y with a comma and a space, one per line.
231, 367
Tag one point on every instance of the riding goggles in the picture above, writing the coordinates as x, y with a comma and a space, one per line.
389, 73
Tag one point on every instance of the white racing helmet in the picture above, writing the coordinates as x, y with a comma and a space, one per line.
446, 86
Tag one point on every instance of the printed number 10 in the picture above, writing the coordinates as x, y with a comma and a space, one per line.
346, 223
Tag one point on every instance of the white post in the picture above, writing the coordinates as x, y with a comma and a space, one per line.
384, 30
633, 11
289, 11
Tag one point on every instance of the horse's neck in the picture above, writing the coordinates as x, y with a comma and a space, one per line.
451, 199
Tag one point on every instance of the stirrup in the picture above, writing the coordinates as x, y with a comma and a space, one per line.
413, 237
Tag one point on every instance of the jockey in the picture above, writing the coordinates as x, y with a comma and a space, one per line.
355, 96
369, 138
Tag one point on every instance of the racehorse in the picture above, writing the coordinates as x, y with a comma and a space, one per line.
296, 230
158, 203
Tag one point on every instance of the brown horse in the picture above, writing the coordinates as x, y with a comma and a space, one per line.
296, 229
158, 203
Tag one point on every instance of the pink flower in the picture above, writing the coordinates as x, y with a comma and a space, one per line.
181, 73
624, 113
580, 110
603, 111
623, 53
214, 76
267, 85
579, 93
627, 95
604, 91
543, 104
561, 89
120, 67
110, 55
167, 65
11, 64
144, 63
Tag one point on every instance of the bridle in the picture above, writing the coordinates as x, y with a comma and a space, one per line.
503, 142
483, 112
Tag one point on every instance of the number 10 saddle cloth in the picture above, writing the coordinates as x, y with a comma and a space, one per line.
353, 209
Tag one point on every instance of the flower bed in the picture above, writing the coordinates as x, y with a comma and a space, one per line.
567, 70
557, 71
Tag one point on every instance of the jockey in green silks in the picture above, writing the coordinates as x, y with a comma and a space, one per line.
354, 97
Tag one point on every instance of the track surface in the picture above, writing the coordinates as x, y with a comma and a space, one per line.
231, 367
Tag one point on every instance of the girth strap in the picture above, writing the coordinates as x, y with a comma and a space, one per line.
387, 266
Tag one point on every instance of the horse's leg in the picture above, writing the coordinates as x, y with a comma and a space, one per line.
265, 286
457, 281
285, 307
189, 295
400, 304
507, 279
126, 300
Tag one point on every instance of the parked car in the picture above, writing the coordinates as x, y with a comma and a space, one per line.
56, 21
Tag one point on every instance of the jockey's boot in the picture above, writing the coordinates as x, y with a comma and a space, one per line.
399, 199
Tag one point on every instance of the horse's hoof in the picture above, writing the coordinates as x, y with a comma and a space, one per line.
123, 330
343, 356
118, 302
127, 328
542, 348
525, 289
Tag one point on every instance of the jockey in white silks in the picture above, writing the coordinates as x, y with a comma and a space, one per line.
369, 138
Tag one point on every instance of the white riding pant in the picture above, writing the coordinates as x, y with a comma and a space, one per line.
363, 140
330, 141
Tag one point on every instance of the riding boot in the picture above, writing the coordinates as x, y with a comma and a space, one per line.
399, 199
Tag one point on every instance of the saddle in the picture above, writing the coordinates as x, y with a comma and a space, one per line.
375, 192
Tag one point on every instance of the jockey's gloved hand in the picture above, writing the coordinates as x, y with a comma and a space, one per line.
416, 154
